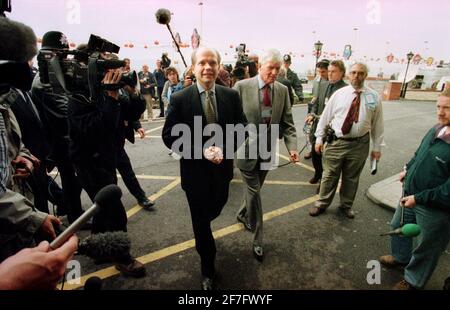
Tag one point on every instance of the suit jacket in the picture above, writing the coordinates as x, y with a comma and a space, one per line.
198, 174
281, 114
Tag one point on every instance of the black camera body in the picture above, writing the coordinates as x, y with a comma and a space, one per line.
82, 71
242, 57
165, 61
329, 134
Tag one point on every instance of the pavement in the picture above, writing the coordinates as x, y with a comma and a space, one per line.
301, 252
386, 193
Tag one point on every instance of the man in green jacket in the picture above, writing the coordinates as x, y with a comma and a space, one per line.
426, 183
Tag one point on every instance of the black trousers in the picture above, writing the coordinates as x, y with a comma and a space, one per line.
128, 176
161, 103
205, 207
93, 177
71, 190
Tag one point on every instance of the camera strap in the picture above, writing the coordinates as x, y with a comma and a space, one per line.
54, 63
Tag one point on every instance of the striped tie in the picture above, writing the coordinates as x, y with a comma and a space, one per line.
210, 115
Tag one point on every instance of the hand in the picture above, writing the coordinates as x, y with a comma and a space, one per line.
36, 268
402, 176
214, 154
24, 167
47, 230
309, 119
35, 161
187, 81
375, 155
408, 202
130, 90
112, 77
318, 148
141, 132
294, 156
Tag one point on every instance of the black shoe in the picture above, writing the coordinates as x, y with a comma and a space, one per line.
207, 284
131, 267
146, 203
348, 212
314, 180
244, 221
258, 253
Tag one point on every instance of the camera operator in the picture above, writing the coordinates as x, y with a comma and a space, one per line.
94, 120
52, 119
147, 83
132, 105
21, 224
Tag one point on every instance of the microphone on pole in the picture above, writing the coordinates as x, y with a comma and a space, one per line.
163, 17
407, 230
106, 195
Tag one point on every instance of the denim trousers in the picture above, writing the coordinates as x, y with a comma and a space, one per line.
422, 255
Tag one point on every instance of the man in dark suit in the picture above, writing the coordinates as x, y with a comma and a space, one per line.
205, 177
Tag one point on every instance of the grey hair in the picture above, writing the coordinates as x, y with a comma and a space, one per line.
363, 65
18, 41
271, 55
204, 48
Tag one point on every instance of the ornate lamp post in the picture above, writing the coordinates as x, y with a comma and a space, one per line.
410, 55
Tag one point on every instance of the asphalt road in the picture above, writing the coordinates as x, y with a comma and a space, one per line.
301, 252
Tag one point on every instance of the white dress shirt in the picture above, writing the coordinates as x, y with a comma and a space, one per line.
370, 116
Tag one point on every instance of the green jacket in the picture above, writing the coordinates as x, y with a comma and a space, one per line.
295, 83
428, 172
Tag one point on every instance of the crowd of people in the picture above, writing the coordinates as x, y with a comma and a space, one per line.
83, 136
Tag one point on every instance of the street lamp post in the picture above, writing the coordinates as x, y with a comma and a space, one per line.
318, 48
410, 55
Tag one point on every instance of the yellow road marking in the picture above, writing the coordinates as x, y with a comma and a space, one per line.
153, 177
278, 182
150, 130
177, 248
161, 192
298, 164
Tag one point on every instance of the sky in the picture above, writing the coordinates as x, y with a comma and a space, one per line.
374, 28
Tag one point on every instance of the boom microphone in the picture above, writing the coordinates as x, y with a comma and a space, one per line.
408, 230
163, 16
109, 245
105, 196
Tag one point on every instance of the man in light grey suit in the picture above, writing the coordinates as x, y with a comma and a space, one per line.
264, 101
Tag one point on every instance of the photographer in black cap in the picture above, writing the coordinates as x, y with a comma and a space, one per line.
52, 106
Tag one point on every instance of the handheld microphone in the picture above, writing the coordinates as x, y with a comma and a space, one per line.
373, 166
107, 194
108, 245
93, 284
408, 230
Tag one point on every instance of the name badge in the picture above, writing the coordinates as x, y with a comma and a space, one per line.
371, 100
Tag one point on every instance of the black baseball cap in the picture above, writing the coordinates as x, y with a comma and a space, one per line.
287, 58
54, 40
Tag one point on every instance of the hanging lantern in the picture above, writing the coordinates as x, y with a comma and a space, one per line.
72, 44
302, 55
131, 45
231, 46
156, 42
145, 46
125, 45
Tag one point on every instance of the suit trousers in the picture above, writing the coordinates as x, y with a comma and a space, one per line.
128, 176
251, 208
317, 161
205, 207
347, 158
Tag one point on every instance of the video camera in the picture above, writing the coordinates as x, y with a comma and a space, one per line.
242, 57
165, 61
5, 6
82, 70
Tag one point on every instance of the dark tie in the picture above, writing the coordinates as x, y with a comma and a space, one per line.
266, 96
210, 115
353, 114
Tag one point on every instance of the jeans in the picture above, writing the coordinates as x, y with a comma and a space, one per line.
421, 258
